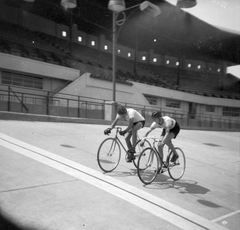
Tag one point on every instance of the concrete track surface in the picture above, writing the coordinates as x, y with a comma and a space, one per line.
50, 180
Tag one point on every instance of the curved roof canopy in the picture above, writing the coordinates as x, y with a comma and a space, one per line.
174, 32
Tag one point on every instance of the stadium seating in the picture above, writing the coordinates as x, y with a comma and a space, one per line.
19, 41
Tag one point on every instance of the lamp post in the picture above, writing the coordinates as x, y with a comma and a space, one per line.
117, 6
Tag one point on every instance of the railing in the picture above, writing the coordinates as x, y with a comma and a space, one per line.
45, 104
14, 99
17, 97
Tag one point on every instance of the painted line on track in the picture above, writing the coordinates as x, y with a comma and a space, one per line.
226, 216
154, 205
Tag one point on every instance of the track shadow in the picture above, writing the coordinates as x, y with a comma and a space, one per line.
209, 204
184, 186
7, 224
191, 187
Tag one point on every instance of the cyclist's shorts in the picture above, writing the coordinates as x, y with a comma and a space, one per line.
143, 123
175, 130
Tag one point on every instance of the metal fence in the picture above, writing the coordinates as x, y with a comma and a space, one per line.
66, 105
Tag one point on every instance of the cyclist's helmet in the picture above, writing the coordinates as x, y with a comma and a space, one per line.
156, 114
121, 110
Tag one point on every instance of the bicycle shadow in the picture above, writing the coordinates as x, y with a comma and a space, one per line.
184, 186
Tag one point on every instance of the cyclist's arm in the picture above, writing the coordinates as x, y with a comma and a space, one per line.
167, 130
114, 122
146, 134
130, 125
149, 131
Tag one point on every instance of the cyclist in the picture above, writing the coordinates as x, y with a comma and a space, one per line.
135, 122
171, 129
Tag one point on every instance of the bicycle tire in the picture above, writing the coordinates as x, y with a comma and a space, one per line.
109, 154
138, 150
177, 169
148, 165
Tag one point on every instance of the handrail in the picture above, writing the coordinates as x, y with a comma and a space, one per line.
200, 120
18, 98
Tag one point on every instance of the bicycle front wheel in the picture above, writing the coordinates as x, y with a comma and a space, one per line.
138, 150
176, 169
148, 165
109, 154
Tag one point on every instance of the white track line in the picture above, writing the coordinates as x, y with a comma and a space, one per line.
154, 205
225, 216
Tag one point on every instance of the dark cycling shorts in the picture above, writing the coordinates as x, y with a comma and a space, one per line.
143, 123
175, 130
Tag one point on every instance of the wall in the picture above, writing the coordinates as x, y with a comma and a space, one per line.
25, 65
96, 88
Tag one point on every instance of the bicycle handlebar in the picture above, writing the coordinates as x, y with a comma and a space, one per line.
108, 131
118, 128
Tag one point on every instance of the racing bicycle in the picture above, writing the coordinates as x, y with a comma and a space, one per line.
150, 163
109, 152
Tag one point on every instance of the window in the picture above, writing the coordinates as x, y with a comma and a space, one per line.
17, 79
177, 63
151, 100
167, 62
129, 55
210, 108
173, 103
64, 33
144, 58
79, 38
154, 60
119, 51
105, 47
231, 112
189, 65
92, 43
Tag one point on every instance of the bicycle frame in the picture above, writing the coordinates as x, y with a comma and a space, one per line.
118, 129
153, 146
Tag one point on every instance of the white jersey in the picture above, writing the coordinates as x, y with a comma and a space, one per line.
168, 122
131, 113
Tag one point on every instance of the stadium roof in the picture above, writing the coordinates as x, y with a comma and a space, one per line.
174, 32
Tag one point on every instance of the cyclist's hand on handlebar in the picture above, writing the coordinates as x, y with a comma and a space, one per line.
122, 133
142, 143
107, 131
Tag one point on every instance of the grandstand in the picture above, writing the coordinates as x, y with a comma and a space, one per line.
41, 66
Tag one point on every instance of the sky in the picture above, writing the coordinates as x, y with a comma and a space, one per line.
224, 14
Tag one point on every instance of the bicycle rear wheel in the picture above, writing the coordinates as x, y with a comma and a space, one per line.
148, 165
109, 154
138, 150
176, 169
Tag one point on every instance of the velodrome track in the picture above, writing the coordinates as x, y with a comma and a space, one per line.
50, 179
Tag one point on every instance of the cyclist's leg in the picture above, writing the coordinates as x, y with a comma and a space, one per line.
127, 139
160, 149
168, 141
135, 129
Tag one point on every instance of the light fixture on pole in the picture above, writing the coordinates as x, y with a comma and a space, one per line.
186, 3
68, 3
117, 6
